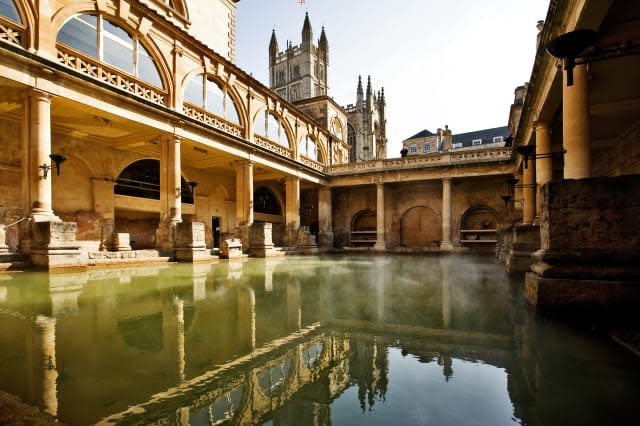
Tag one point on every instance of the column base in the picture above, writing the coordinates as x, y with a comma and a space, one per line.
542, 292
380, 246
446, 246
53, 246
525, 242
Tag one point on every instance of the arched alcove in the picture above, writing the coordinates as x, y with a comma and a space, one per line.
420, 227
478, 228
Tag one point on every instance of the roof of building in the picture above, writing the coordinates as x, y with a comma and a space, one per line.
485, 135
423, 134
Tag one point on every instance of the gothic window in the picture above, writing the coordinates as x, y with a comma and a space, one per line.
8, 10
351, 135
110, 43
296, 71
309, 148
272, 129
207, 94
265, 201
295, 92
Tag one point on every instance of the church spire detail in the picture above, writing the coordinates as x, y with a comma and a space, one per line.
307, 32
273, 48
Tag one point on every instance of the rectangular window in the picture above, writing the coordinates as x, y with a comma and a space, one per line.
426, 148
413, 149
497, 139
476, 142
457, 145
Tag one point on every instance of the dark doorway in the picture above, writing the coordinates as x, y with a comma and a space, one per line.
215, 228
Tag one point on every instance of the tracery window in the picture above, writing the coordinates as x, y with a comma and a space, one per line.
309, 148
207, 94
272, 128
9, 10
110, 43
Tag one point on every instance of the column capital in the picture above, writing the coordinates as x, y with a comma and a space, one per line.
240, 163
539, 125
37, 94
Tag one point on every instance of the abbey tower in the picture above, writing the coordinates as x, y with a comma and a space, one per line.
298, 74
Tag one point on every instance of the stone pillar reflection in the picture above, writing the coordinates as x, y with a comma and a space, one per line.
544, 164
529, 191
173, 324
380, 242
576, 125
292, 210
446, 244
244, 192
44, 351
294, 310
246, 303
39, 148
325, 217
380, 279
446, 295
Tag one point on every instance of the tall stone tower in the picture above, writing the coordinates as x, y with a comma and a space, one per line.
299, 72
367, 128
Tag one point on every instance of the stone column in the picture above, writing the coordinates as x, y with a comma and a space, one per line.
39, 149
380, 243
544, 164
325, 218
292, 210
244, 192
104, 205
576, 127
170, 193
446, 244
529, 191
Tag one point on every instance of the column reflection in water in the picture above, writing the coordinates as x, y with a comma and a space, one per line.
246, 314
294, 311
43, 341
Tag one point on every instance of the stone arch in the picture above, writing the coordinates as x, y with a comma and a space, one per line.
364, 220
337, 127
479, 217
267, 201
141, 179
420, 227
62, 16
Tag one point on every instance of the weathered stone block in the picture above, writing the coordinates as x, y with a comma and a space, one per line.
231, 248
122, 241
306, 243
590, 235
260, 241
525, 241
190, 242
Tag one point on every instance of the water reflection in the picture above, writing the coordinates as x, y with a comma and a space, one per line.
314, 340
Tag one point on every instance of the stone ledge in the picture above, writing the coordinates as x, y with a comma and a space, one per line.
577, 293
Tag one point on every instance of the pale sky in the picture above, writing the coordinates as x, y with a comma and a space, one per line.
454, 62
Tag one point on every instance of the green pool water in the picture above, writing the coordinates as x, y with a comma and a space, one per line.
327, 340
